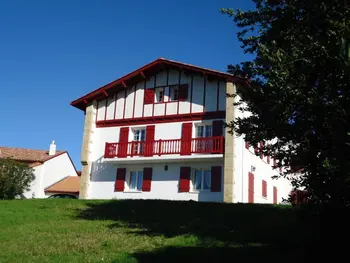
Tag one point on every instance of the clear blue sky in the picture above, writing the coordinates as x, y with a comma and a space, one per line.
52, 52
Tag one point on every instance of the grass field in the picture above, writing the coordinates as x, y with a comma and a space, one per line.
147, 231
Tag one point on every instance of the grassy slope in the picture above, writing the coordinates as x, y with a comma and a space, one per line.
144, 231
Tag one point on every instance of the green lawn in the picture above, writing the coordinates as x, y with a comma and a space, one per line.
146, 231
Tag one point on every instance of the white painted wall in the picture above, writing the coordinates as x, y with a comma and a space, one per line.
55, 170
115, 105
163, 131
245, 159
164, 183
49, 173
35, 186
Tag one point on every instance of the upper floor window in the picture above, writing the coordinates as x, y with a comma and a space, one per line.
159, 94
138, 146
204, 131
174, 92
135, 180
201, 179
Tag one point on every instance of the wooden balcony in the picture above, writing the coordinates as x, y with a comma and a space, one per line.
208, 145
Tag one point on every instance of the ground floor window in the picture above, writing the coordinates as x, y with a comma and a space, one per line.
135, 180
201, 179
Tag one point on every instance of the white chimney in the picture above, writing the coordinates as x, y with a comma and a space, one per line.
52, 150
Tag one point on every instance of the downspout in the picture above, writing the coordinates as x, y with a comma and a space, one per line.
242, 190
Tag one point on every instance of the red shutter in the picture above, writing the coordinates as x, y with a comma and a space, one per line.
261, 147
250, 188
217, 128
185, 176
186, 138
264, 188
215, 179
120, 180
274, 162
147, 179
247, 145
149, 96
183, 92
275, 195
123, 142
268, 159
149, 140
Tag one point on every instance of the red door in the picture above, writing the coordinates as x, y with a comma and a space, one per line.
250, 188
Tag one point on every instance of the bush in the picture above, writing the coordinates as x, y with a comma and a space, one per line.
15, 178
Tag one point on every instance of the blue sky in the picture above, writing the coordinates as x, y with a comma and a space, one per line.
52, 52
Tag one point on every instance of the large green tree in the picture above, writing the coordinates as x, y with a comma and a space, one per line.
15, 178
299, 90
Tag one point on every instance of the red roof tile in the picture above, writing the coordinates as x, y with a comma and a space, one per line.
27, 155
70, 184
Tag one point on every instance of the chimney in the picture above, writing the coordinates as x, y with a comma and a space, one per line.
52, 150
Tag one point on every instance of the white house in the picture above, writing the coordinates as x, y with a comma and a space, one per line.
50, 167
158, 133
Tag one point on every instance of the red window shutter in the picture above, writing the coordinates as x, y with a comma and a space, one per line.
186, 138
183, 92
120, 180
215, 179
185, 176
147, 179
261, 147
123, 142
275, 195
268, 159
264, 188
217, 128
149, 96
247, 145
274, 162
250, 188
149, 140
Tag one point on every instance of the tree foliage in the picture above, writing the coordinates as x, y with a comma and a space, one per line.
15, 178
299, 90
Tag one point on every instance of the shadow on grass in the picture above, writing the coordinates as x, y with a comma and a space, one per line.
225, 231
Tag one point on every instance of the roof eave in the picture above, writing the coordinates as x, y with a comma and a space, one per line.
83, 101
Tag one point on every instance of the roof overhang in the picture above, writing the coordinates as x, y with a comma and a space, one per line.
145, 72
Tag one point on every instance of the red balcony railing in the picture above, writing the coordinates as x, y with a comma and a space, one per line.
206, 145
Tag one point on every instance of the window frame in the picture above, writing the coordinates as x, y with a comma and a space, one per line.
204, 125
192, 182
136, 149
156, 94
172, 87
128, 178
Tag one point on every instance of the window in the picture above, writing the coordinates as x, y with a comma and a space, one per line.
174, 93
135, 180
203, 145
204, 131
159, 94
138, 144
201, 179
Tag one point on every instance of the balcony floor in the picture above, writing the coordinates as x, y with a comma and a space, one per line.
166, 158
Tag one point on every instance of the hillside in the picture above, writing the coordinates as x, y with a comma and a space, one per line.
146, 231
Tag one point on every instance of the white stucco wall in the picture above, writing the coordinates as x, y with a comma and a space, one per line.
35, 188
55, 170
164, 183
209, 88
245, 160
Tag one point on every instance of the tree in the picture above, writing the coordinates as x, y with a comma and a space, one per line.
15, 178
298, 95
